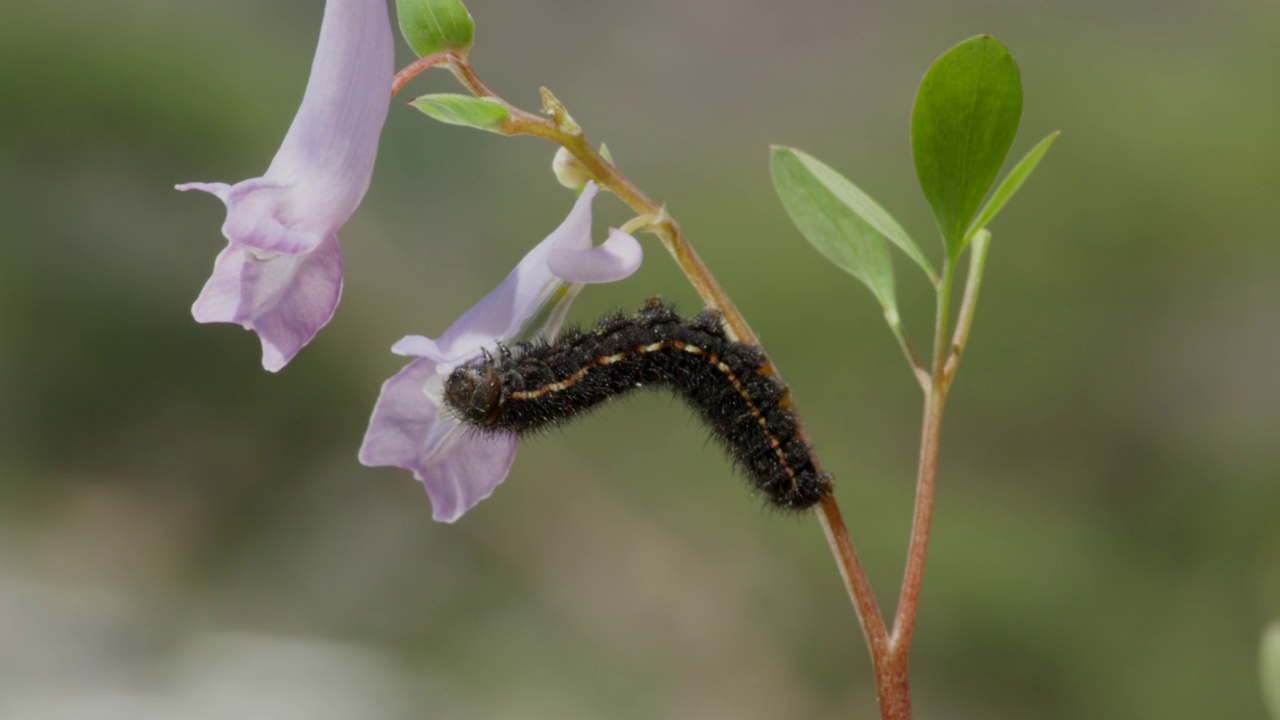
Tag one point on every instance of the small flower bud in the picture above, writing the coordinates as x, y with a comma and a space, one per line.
569, 170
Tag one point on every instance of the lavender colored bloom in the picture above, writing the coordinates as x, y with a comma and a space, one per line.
411, 429
281, 274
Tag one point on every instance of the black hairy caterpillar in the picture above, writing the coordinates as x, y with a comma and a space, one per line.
540, 385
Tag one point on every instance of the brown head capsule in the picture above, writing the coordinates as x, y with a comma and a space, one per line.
474, 392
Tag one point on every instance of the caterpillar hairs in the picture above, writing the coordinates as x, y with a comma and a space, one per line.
539, 385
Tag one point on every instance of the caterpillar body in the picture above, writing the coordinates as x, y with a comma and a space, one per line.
539, 385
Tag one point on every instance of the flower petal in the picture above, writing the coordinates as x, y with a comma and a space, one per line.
615, 259
323, 168
217, 189
504, 311
418, 346
575, 232
458, 466
467, 471
315, 182
286, 299
403, 419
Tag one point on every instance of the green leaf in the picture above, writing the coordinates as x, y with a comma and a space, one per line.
482, 113
1010, 184
1270, 667
830, 223
965, 116
861, 204
432, 26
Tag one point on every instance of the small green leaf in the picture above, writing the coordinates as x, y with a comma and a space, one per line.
831, 224
432, 26
861, 204
1010, 184
965, 116
482, 113
1270, 666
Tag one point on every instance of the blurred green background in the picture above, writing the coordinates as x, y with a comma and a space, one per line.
183, 535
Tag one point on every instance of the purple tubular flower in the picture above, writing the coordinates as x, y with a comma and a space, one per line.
281, 274
411, 429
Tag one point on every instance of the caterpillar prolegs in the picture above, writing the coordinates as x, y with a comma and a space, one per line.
539, 385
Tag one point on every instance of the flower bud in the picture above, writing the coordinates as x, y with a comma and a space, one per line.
569, 170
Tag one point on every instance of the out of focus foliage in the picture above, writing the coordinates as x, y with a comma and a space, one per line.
184, 535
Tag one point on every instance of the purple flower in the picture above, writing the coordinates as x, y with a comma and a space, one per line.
281, 274
411, 429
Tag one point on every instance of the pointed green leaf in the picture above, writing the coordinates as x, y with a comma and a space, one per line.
1010, 184
1271, 669
482, 113
432, 26
965, 116
832, 226
866, 208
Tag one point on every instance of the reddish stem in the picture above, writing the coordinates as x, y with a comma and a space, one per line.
413, 69
892, 675
855, 579
908, 602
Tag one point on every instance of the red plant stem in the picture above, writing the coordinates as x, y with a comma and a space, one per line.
891, 679
855, 579
895, 699
926, 479
412, 70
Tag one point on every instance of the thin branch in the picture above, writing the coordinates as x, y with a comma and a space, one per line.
466, 75
926, 479
855, 579
416, 67
921, 522
917, 368
981, 243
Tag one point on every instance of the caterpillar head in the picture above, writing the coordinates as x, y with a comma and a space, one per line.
473, 393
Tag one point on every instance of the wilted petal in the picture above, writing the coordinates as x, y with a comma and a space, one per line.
313, 185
